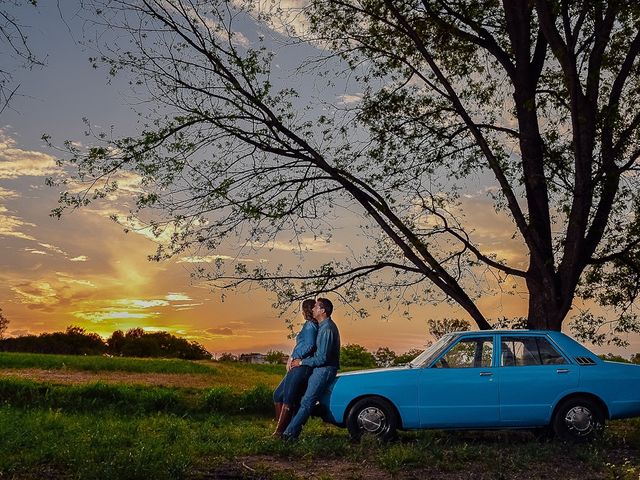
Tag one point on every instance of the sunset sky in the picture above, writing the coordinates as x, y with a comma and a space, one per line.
85, 270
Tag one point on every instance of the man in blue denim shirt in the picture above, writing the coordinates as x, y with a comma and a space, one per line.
325, 362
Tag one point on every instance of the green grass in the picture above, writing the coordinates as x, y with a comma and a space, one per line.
105, 444
135, 399
244, 375
98, 430
99, 446
265, 368
99, 363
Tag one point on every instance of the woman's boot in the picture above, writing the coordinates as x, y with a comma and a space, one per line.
285, 417
278, 408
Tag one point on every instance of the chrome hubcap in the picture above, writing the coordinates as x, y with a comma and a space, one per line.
580, 420
372, 420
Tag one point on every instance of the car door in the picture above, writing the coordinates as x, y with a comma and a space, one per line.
459, 389
533, 374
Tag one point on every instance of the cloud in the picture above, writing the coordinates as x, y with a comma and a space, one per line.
211, 259
177, 297
143, 304
66, 278
15, 162
282, 16
129, 183
186, 306
101, 316
53, 248
134, 303
11, 226
56, 290
214, 26
220, 331
135, 225
35, 252
36, 294
6, 194
19, 333
348, 99
308, 244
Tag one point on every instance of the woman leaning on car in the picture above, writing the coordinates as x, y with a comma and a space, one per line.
287, 395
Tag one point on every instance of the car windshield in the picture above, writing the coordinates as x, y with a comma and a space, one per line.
430, 354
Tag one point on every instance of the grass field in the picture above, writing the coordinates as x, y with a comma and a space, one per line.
94, 363
100, 430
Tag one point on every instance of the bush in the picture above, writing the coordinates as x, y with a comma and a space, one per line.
220, 399
354, 355
406, 357
257, 400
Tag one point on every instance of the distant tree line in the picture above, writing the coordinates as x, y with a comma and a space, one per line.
354, 355
134, 343
635, 358
351, 355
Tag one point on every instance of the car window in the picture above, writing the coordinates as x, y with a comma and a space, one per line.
528, 350
426, 357
473, 352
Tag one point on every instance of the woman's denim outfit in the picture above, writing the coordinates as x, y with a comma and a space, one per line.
294, 383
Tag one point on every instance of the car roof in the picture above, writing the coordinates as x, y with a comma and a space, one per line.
568, 344
508, 331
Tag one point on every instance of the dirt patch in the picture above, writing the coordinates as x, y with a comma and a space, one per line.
261, 467
267, 468
181, 380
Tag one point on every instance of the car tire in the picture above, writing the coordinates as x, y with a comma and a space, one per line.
578, 419
372, 416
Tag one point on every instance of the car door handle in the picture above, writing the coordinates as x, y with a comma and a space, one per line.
486, 374
562, 370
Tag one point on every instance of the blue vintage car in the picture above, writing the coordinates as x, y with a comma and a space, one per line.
489, 379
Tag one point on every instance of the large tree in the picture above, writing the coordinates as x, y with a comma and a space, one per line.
534, 100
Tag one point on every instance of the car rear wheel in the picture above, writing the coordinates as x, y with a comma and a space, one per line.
578, 419
373, 416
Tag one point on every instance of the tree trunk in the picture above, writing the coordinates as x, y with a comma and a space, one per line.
547, 309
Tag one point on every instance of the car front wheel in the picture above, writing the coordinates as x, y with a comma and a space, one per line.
374, 416
578, 419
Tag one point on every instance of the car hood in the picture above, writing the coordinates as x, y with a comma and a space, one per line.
372, 371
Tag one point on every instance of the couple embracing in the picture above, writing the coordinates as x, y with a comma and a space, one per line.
312, 366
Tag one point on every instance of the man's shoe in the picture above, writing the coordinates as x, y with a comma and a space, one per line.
288, 438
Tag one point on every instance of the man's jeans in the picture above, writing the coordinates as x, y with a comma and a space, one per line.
319, 380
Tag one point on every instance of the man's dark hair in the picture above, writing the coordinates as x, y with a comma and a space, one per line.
326, 305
